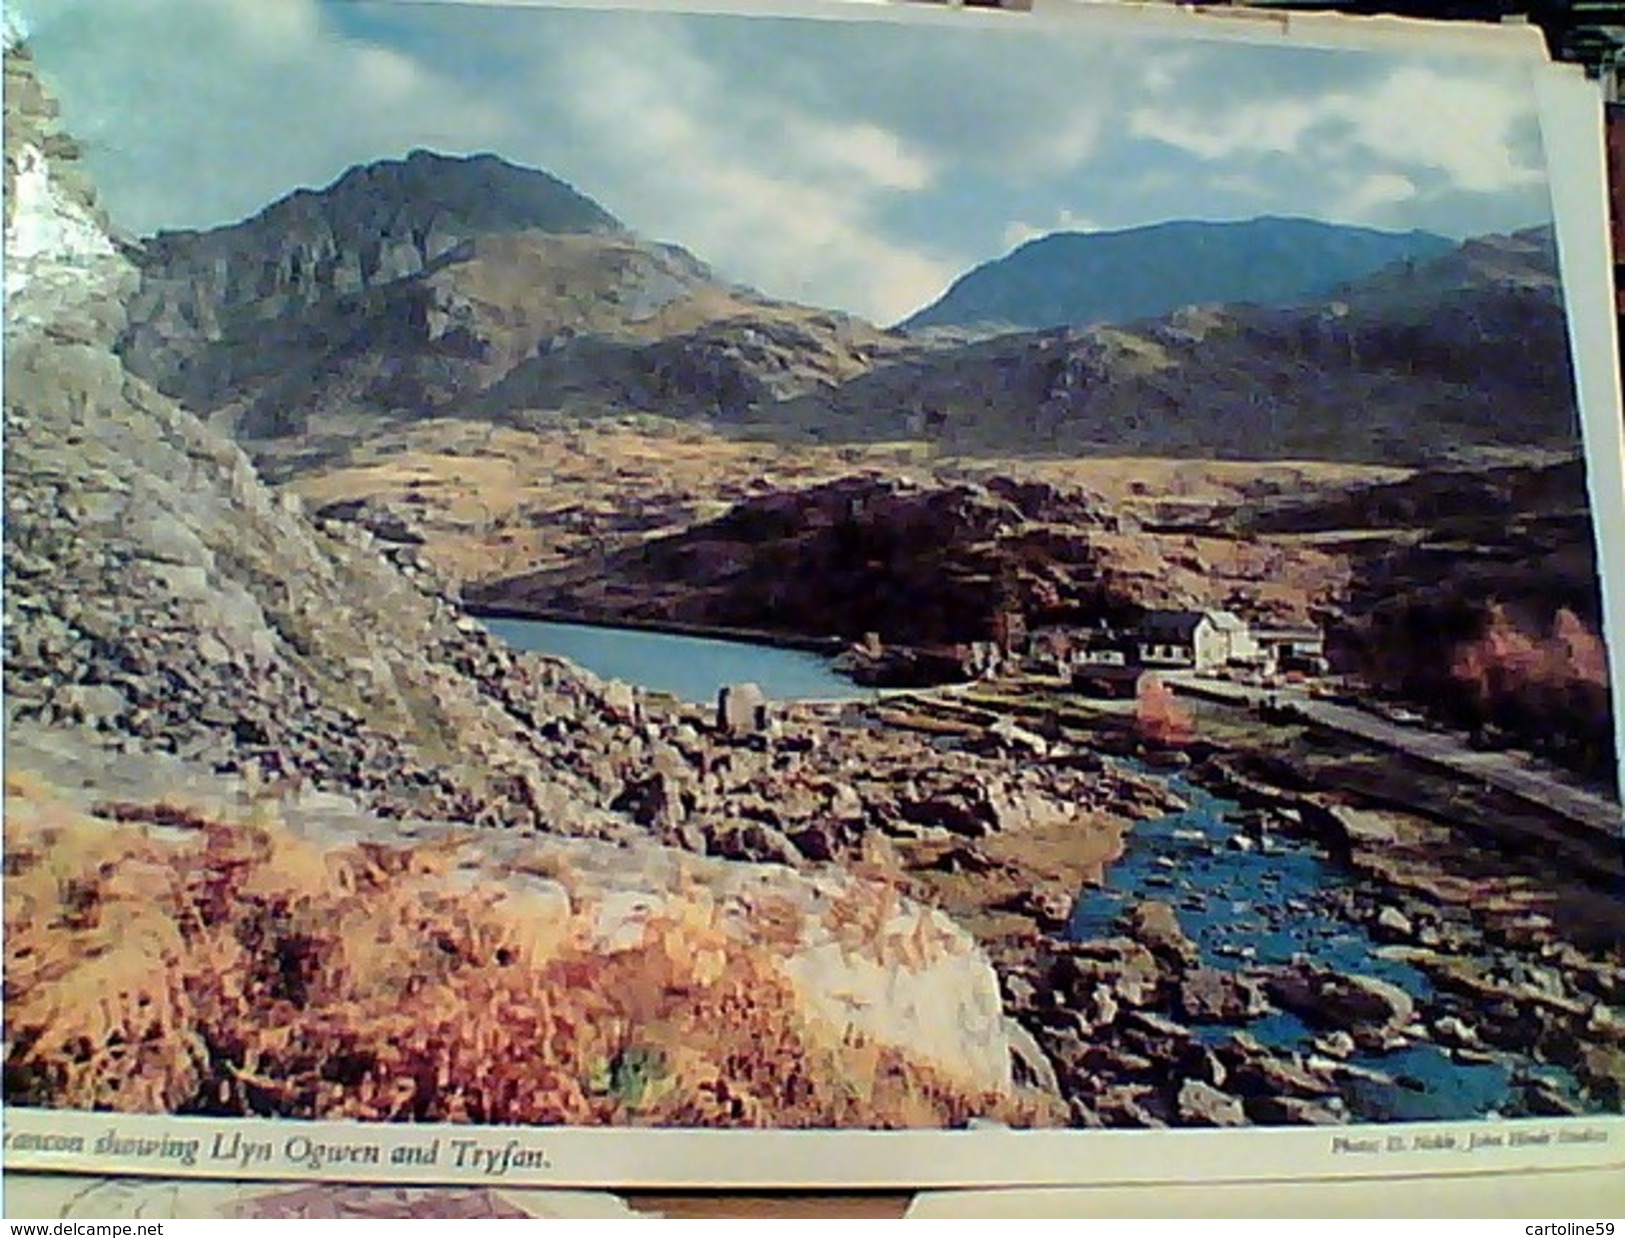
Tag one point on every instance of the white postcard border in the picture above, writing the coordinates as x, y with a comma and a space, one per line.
43, 1140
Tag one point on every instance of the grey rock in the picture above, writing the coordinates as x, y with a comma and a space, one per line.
1393, 924
1339, 1045
1156, 925
754, 842
1030, 1065
621, 701
1291, 1111
1455, 1033
742, 710
1208, 995
1361, 1005
1202, 1104
91, 704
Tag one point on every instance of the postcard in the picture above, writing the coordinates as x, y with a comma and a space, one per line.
805, 594
72, 1197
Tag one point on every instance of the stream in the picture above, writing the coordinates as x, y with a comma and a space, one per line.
1247, 899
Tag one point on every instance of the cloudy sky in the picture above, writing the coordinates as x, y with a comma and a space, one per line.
859, 165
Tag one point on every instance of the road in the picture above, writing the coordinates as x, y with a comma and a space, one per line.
1509, 771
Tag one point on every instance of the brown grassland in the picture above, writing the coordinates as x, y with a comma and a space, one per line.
235, 969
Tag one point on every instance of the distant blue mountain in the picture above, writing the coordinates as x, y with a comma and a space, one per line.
1079, 278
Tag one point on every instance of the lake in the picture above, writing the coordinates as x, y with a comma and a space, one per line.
689, 667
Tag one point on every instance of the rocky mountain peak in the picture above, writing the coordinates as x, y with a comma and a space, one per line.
159, 597
468, 194
375, 225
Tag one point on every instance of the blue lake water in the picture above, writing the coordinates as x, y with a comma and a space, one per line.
1267, 906
689, 667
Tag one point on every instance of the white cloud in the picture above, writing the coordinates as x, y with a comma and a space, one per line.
386, 75
1252, 128
1371, 197
1462, 127
771, 195
1019, 231
874, 155
198, 112
1064, 140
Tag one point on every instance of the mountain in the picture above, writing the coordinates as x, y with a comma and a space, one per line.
415, 287
1080, 278
1412, 365
224, 311
437, 287
264, 743
161, 598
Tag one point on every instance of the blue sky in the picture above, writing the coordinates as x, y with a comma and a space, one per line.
862, 166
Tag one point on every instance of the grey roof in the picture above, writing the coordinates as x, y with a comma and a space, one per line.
1181, 624
1295, 634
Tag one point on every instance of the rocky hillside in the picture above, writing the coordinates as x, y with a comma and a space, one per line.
1489, 613
1441, 359
922, 563
159, 596
1082, 278
369, 960
218, 311
441, 284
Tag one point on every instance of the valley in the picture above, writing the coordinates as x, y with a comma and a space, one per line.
268, 484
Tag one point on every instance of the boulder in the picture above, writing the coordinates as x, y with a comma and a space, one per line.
1018, 739
956, 816
1127, 1105
1030, 1065
1209, 995
1351, 828
1202, 1104
1454, 1033
1365, 1007
752, 841
1391, 924
653, 801
1197, 1061
388, 522
1049, 906
742, 710
91, 704
820, 841
1338, 1045
1156, 926
1256, 1071
1291, 1111
845, 803
861, 960
621, 701
1601, 1069
1120, 966
963, 859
